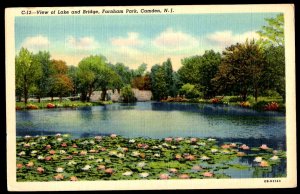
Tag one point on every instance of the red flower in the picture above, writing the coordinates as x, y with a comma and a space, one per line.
64, 145
19, 165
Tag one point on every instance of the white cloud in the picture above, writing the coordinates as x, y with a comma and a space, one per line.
83, 43
175, 40
132, 39
227, 38
35, 43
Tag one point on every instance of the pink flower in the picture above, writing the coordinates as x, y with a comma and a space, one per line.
109, 171
184, 176
168, 139
196, 168
208, 174
233, 145
264, 147
225, 146
264, 163
173, 170
164, 176
64, 145
83, 153
19, 165
73, 178
244, 147
47, 158
59, 177
193, 140
178, 139
74, 145
178, 157
101, 167
52, 152
30, 164
48, 147
93, 151
40, 170
142, 145
113, 135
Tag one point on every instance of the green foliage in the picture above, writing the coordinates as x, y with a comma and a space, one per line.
190, 91
127, 94
28, 70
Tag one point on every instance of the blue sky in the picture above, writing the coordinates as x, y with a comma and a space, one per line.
135, 39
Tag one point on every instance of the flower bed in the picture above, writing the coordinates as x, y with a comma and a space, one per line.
59, 158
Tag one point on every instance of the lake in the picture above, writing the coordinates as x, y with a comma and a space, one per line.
160, 120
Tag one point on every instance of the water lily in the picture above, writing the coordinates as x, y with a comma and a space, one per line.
64, 145
211, 139
113, 135
40, 170
125, 149
22, 153
40, 157
74, 145
164, 176
59, 139
92, 142
91, 157
101, 167
197, 168
201, 143
173, 147
27, 136
208, 174
120, 155
165, 145
190, 157
172, 170
62, 151
59, 169
240, 154
59, 177
264, 147
205, 158
178, 157
194, 146
142, 145
113, 153
73, 178
257, 159
72, 162
26, 145
83, 153
109, 171
19, 165
52, 152
168, 139
184, 176
244, 147
99, 160
275, 152
33, 143
274, 158
264, 163
43, 137
127, 173
131, 141
141, 164
48, 147
30, 164
58, 135
155, 147
225, 151
225, 146
98, 138
233, 145
86, 168
48, 158
178, 139
135, 153
213, 150
157, 155
144, 174
193, 140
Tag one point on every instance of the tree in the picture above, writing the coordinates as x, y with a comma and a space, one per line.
241, 69
158, 82
42, 85
127, 94
199, 70
72, 74
189, 91
168, 71
28, 70
125, 75
273, 33
140, 70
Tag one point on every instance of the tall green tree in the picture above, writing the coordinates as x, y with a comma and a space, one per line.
241, 69
273, 33
28, 70
168, 71
72, 74
158, 82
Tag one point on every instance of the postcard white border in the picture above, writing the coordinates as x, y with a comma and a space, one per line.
289, 181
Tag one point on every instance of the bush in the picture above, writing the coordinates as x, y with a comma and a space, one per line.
50, 105
32, 106
272, 106
216, 101
245, 104
127, 94
235, 99
190, 91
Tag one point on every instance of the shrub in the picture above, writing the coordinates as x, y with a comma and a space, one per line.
216, 101
245, 104
272, 106
127, 94
190, 91
50, 105
32, 106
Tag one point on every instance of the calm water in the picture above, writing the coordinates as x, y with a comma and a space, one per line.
159, 120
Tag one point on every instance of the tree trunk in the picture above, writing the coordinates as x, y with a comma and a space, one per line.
60, 98
25, 92
256, 93
83, 96
90, 94
39, 99
103, 94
